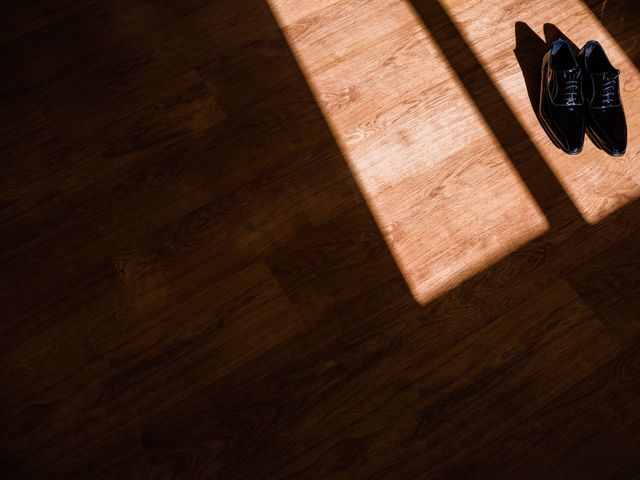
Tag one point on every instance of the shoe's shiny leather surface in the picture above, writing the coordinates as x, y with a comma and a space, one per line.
561, 108
605, 120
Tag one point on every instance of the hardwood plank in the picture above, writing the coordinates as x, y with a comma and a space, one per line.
599, 414
282, 193
593, 182
116, 137
376, 396
198, 338
82, 324
324, 239
391, 130
340, 269
609, 284
35, 32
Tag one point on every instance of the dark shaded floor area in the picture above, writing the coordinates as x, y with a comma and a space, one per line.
194, 287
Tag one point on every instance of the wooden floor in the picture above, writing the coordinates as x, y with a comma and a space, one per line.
279, 239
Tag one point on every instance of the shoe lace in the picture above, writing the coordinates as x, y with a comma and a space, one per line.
570, 87
608, 89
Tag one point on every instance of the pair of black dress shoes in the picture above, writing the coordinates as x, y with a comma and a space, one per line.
579, 95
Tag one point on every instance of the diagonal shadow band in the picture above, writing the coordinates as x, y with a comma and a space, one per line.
553, 33
620, 18
514, 140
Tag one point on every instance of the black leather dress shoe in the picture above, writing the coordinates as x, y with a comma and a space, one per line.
561, 108
605, 121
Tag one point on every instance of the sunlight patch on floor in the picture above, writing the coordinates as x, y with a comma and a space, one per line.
446, 197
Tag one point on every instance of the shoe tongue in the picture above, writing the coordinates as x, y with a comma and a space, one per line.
571, 74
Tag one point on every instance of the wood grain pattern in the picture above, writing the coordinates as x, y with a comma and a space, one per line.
614, 296
599, 414
390, 128
281, 239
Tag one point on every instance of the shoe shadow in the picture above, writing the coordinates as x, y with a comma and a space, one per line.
553, 33
529, 51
